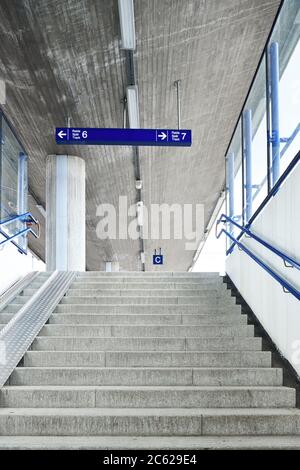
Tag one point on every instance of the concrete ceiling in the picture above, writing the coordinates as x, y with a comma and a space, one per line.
62, 58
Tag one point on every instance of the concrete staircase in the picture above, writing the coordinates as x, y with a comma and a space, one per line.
145, 360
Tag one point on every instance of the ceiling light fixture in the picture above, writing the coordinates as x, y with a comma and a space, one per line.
126, 15
133, 106
140, 213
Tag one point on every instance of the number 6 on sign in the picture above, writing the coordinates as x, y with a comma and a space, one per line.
84, 134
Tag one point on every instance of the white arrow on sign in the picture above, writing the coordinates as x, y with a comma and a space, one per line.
61, 134
163, 135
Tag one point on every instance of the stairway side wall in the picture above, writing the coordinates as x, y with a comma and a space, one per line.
279, 313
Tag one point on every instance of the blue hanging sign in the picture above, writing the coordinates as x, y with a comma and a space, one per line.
111, 136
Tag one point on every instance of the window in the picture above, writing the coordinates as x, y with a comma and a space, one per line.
267, 137
13, 179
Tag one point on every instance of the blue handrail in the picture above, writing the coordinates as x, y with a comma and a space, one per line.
224, 218
285, 284
27, 218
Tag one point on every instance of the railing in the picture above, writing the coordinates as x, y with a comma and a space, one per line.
272, 192
26, 218
288, 141
288, 261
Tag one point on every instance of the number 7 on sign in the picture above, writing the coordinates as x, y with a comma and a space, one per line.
183, 134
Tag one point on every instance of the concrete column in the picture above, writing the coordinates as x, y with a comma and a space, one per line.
112, 266
65, 213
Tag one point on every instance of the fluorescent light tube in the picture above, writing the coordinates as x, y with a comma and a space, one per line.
126, 15
140, 213
133, 106
138, 184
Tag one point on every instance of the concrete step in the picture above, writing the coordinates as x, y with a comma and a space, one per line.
150, 443
145, 396
46, 343
64, 343
150, 330
147, 359
149, 422
37, 282
136, 296
21, 300
194, 358
28, 292
120, 307
147, 277
139, 309
202, 294
118, 300
12, 308
142, 298
148, 290
40, 280
151, 286
146, 376
144, 276
171, 319
157, 279
5, 318
147, 274
34, 285
131, 319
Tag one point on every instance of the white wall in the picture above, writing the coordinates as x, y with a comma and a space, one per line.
212, 256
279, 313
14, 265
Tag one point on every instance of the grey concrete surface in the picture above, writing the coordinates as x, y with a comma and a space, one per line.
66, 343
157, 374
148, 421
139, 308
19, 300
150, 443
85, 318
65, 202
145, 331
145, 397
216, 376
78, 71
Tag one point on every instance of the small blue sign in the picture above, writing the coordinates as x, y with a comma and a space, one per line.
158, 259
112, 136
